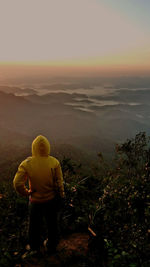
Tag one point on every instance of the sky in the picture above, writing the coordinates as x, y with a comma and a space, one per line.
78, 33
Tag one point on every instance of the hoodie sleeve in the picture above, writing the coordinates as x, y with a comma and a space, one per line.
20, 180
59, 180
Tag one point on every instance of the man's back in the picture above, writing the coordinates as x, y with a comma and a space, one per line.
44, 175
43, 172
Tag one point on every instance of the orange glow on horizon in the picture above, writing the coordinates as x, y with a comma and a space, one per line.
66, 68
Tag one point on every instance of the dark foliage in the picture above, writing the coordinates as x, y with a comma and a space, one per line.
112, 202
121, 220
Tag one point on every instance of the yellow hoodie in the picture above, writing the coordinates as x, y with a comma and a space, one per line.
42, 171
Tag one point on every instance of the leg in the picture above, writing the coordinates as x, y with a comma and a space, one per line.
51, 219
35, 226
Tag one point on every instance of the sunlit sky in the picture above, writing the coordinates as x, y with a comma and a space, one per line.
75, 32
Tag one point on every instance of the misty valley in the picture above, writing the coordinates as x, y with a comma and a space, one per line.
99, 130
90, 115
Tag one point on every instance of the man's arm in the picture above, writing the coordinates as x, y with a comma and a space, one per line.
20, 180
59, 181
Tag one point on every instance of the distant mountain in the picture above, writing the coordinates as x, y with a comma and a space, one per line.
121, 129
92, 145
53, 118
50, 115
53, 98
16, 90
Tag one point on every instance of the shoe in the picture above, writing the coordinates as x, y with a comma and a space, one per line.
30, 253
45, 244
49, 250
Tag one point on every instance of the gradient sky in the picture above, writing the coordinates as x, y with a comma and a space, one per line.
75, 32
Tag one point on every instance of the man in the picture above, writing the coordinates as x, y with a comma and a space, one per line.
44, 175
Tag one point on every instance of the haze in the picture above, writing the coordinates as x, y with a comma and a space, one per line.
87, 35
76, 71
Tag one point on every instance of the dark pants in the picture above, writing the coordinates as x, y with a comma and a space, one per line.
39, 211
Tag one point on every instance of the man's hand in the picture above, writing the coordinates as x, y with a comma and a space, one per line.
30, 192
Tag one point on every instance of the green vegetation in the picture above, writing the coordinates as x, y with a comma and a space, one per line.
122, 217
111, 200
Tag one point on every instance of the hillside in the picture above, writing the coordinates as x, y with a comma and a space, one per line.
73, 119
53, 118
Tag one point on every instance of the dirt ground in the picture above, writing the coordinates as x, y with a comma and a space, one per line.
71, 251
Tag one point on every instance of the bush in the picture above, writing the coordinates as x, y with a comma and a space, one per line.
123, 215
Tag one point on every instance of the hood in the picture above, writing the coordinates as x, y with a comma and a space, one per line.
40, 146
